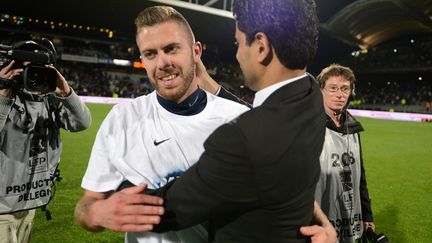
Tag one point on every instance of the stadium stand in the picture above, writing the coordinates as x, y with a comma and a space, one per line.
394, 71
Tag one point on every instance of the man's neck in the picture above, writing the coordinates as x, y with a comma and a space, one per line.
275, 75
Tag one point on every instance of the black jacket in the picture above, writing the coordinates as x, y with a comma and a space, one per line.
255, 182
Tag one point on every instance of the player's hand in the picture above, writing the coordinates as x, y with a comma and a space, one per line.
128, 211
205, 81
319, 234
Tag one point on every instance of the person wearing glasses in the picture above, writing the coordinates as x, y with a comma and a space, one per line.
342, 189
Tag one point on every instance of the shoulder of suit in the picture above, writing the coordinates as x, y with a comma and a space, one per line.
224, 103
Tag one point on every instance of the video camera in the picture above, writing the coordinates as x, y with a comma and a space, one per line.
369, 236
36, 77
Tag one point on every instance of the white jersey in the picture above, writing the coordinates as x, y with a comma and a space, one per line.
142, 142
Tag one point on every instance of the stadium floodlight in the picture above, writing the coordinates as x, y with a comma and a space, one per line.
121, 62
197, 7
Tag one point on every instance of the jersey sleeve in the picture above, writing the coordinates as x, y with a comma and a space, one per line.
101, 174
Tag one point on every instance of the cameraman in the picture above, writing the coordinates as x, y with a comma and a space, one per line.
30, 148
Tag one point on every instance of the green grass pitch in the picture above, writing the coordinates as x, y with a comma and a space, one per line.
398, 162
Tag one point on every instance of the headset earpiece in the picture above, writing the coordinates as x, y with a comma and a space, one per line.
353, 90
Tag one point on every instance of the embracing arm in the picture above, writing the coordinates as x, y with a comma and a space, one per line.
206, 82
126, 211
323, 231
218, 185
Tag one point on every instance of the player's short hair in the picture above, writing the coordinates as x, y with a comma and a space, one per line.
290, 25
161, 14
336, 70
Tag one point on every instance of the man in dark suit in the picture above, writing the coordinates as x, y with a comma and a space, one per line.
255, 181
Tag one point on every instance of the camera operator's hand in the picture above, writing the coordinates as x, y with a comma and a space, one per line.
8, 73
367, 225
63, 89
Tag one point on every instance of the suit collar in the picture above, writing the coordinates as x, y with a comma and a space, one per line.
292, 91
263, 94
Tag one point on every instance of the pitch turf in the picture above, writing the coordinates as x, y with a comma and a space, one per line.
398, 161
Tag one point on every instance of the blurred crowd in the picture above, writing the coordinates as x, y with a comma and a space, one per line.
90, 80
394, 76
406, 96
96, 79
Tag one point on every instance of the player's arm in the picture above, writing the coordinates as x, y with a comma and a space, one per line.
323, 231
206, 82
126, 211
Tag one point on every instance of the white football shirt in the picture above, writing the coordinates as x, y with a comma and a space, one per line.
142, 142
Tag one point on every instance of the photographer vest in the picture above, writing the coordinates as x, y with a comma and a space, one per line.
338, 190
29, 154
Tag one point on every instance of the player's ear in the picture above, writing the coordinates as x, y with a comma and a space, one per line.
197, 51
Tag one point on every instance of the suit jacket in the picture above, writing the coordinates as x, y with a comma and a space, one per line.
256, 180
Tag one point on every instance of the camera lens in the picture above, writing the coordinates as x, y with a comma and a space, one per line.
39, 79
35, 80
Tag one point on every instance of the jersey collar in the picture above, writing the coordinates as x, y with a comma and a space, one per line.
192, 105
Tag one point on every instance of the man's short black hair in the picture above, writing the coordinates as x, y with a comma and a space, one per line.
291, 26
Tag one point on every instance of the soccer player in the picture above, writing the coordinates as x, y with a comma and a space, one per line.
154, 138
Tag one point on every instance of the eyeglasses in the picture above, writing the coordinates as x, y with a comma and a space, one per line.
333, 89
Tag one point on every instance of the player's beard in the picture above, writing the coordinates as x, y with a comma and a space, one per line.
182, 88
185, 89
